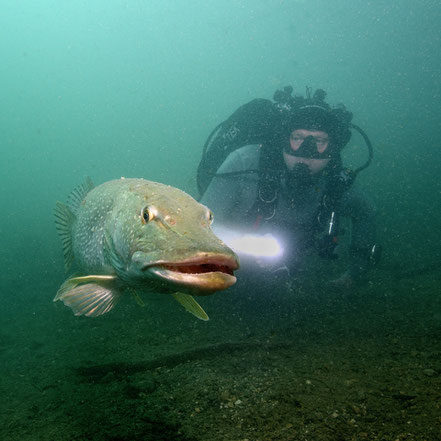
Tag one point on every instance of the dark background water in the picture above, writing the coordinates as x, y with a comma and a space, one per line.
132, 88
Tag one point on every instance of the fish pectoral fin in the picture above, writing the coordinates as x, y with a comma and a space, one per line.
89, 295
74, 281
191, 305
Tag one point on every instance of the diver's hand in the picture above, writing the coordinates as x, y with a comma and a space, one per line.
345, 281
270, 268
264, 264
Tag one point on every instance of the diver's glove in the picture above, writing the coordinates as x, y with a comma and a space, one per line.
271, 267
273, 272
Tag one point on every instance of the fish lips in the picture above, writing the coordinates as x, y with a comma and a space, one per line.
200, 275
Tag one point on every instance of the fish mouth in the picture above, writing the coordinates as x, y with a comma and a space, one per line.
201, 275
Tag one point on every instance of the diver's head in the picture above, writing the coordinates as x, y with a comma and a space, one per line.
314, 133
306, 147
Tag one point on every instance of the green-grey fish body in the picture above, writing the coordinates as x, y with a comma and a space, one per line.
140, 235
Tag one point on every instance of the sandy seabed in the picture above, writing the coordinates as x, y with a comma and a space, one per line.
296, 362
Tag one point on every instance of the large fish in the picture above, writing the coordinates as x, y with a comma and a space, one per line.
137, 235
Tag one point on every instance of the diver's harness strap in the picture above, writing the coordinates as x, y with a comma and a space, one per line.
339, 180
328, 216
264, 208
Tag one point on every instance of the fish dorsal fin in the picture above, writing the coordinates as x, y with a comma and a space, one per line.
191, 305
78, 194
64, 219
65, 216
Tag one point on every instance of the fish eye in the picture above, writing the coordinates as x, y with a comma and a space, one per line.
210, 217
147, 215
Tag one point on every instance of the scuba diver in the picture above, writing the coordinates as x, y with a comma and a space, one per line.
273, 176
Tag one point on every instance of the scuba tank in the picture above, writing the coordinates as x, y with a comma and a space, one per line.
251, 123
256, 122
